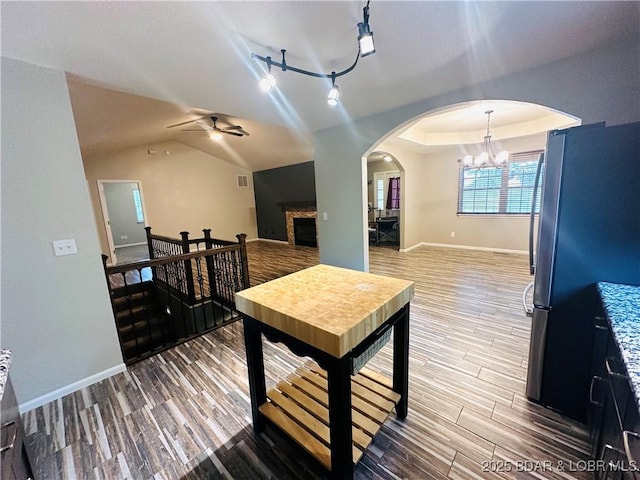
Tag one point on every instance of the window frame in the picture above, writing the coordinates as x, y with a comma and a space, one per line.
137, 205
504, 189
382, 201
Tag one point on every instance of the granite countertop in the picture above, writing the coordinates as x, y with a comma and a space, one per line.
622, 307
5, 361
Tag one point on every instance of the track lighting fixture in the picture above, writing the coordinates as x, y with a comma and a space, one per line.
365, 47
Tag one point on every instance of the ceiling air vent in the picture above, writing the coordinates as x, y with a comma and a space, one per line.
242, 181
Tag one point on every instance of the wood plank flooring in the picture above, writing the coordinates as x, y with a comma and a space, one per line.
185, 414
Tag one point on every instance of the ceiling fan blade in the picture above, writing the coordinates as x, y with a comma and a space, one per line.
186, 123
233, 127
232, 133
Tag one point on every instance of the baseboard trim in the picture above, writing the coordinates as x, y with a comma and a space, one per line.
130, 245
282, 242
471, 247
408, 249
72, 387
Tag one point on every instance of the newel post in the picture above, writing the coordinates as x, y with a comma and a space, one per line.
191, 290
242, 240
106, 275
147, 231
211, 266
207, 238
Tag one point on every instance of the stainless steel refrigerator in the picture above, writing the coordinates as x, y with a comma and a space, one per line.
588, 231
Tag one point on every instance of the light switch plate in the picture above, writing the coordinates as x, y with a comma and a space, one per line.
65, 247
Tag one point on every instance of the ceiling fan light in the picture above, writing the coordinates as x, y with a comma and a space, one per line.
267, 82
215, 136
334, 95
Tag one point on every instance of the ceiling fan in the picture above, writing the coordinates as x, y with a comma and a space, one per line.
209, 123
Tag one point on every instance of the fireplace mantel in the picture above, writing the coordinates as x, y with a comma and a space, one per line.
298, 206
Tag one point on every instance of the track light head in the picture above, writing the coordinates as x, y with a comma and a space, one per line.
267, 82
334, 95
365, 35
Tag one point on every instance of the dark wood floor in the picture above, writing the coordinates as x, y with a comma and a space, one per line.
185, 414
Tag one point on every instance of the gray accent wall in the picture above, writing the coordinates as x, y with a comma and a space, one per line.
277, 187
597, 85
56, 315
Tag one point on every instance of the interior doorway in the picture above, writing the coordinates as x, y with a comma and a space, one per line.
124, 217
384, 181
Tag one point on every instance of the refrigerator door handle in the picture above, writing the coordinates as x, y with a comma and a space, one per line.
537, 347
534, 204
527, 310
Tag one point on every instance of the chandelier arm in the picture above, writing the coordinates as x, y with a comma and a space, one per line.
285, 66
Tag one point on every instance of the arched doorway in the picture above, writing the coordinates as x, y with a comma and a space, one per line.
431, 150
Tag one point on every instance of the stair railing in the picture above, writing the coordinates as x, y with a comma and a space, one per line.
194, 292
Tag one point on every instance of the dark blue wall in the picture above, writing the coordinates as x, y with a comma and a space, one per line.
278, 188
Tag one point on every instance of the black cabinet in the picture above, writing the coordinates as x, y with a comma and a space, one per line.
14, 463
614, 418
599, 387
631, 438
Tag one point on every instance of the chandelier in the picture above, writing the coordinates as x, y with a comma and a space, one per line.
486, 158
365, 47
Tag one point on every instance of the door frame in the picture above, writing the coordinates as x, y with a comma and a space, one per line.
105, 214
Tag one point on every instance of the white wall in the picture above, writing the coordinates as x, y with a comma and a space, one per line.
594, 86
186, 190
55, 315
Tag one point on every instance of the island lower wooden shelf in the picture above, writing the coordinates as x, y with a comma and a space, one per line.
299, 407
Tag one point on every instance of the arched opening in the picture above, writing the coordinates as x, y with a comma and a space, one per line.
438, 207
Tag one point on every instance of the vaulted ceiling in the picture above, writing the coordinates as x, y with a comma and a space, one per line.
192, 57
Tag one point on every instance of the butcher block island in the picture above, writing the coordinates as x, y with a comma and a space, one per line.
332, 407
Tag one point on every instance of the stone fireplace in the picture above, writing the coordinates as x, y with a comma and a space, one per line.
303, 228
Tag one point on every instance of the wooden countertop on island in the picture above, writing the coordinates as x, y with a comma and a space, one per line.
331, 308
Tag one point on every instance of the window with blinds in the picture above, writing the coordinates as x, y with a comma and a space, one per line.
506, 189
